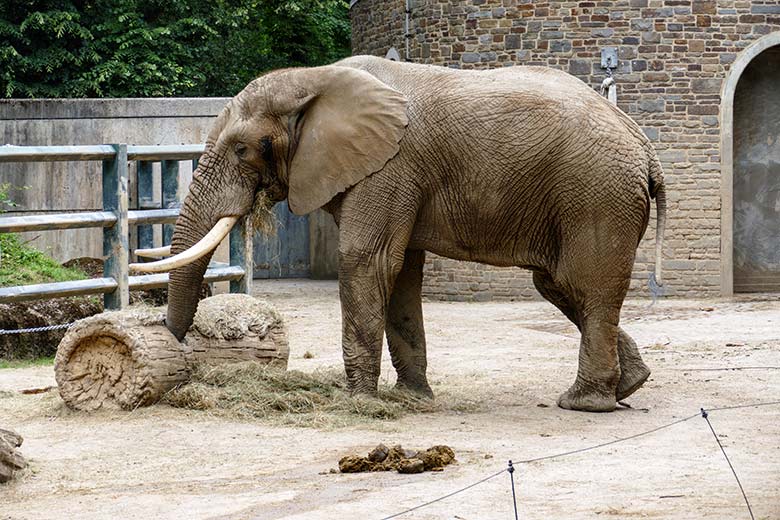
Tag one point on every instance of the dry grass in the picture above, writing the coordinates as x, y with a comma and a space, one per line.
262, 216
318, 399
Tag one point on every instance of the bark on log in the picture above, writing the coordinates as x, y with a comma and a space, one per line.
123, 359
10, 459
126, 359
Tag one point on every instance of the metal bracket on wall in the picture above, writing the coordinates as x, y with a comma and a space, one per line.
609, 59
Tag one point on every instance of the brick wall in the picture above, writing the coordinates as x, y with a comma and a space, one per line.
673, 57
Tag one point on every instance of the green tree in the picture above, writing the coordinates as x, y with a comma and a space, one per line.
148, 48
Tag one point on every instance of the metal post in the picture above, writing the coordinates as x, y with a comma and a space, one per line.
241, 254
170, 199
145, 194
115, 240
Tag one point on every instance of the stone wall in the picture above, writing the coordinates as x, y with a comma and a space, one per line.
673, 58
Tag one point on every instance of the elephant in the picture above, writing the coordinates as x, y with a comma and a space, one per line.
521, 166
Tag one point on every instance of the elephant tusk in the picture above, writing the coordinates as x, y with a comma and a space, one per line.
156, 252
204, 246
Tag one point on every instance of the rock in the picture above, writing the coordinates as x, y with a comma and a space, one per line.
411, 466
10, 459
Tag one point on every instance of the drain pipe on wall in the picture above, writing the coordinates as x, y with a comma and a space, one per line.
407, 31
609, 61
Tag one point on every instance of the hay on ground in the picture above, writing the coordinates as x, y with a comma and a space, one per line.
251, 390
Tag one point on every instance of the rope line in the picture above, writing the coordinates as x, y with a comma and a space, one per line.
31, 330
597, 446
461, 490
609, 443
752, 405
747, 502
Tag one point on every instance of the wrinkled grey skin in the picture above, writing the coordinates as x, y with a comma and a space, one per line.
515, 167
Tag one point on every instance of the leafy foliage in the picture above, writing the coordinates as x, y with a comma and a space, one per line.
5, 198
148, 48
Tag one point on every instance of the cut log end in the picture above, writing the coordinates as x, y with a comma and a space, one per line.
118, 359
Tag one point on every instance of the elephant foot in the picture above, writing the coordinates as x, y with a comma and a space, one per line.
576, 398
422, 388
358, 389
631, 379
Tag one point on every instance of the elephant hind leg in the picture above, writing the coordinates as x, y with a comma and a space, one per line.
633, 371
404, 325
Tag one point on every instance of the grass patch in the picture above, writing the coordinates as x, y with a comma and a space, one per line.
24, 363
22, 264
318, 399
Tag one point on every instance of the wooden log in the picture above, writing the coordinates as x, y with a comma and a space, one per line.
122, 359
229, 328
128, 358
10, 458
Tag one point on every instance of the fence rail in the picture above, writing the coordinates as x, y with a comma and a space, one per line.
116, 219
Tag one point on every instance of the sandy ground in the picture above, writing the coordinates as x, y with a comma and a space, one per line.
166, 463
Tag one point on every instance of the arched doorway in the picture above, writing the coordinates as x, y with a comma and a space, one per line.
750, 171
757, 175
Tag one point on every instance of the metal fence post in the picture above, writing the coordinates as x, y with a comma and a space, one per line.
170, 198
115, 238
241, 254
145, 193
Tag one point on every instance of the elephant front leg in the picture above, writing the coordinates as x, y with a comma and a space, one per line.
364, 288
404, 326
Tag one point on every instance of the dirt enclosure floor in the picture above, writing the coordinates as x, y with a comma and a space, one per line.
512, 359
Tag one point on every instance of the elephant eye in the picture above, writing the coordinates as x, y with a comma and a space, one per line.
266, 148
240, 149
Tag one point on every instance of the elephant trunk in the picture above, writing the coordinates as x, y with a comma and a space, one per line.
185, 281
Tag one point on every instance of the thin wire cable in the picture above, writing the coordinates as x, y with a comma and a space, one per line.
767, 403
747, 502
572, 452
603, 444
415, 508
33, 330
582, 450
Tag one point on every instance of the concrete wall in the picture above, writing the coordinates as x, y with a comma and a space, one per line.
64, 186
673, 58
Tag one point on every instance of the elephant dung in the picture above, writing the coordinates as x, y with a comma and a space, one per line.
355, 464
378, 454
399, 459
413, 465
437, 457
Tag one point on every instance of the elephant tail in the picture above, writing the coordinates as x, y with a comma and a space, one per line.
658, 192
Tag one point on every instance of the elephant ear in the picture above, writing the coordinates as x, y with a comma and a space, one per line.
347, 126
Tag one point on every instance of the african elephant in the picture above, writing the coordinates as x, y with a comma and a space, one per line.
524, 166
